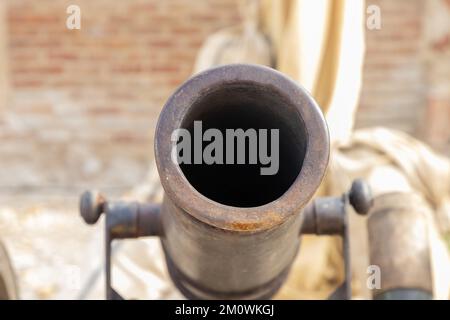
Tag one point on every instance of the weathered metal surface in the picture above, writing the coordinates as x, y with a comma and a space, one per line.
295, 105
123, 219
399, 243
360, 197
219, 250
324, 216
91, 206
327, 215
230, 233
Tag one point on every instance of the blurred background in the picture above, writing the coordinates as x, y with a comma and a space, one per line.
78, 108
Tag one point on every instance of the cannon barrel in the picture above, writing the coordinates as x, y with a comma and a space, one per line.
230, 232
400, 246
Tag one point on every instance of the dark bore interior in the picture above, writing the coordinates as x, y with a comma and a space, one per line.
245, 106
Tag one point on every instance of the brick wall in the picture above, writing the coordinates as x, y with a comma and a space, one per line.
406, 80
83, 104
437, 61
394, 90
4, 81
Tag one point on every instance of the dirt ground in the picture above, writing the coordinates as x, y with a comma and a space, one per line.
54, 253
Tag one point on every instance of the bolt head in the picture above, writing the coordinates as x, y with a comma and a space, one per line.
91, 206
360, 196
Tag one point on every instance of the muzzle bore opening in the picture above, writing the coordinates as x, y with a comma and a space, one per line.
246, 106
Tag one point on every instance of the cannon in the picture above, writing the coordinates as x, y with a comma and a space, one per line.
228, 231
